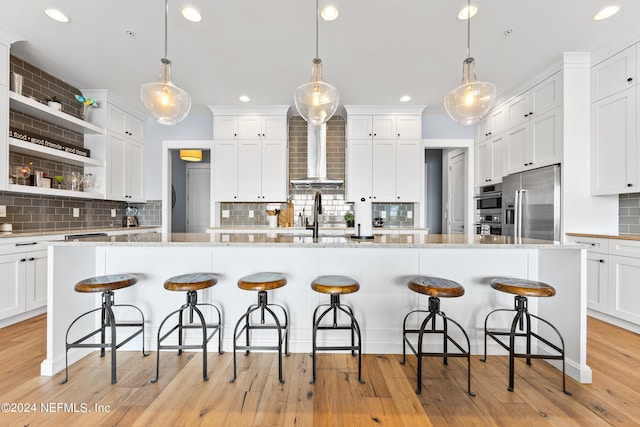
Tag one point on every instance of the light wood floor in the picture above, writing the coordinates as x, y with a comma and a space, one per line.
180, 397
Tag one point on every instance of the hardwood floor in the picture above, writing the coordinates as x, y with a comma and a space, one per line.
180, 397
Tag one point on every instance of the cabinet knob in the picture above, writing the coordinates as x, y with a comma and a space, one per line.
235, 197
526, 115
263, 135
601, 260
235, 134
630, 79
398, 197
629, 185
531, 113
23, 260
32, 259
398, 135
369, 134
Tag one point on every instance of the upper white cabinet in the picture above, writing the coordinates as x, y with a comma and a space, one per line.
615, 153
614, 144
250, 154
493, 124
123, 123
489, 158
125, 164
543, 97
383, 154
534, 144
614, 74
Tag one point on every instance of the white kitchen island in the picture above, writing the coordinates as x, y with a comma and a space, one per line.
382, 267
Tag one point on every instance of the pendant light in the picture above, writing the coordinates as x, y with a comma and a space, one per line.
165, 101
316, 101
472, 100
191, 155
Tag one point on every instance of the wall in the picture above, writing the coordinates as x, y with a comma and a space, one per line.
440, 126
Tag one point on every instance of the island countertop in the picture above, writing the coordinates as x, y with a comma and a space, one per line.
404, 240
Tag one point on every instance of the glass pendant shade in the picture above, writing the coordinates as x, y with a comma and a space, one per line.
471, 101
167, 103
191, 155
316, 101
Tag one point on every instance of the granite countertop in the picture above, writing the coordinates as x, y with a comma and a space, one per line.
330, 230
60, 233
412, 240
607, 236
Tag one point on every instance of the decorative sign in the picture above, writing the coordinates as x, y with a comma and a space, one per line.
49, 143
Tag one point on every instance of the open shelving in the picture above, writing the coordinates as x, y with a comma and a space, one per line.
24, 147
54, 192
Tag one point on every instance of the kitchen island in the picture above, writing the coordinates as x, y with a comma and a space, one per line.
382, 266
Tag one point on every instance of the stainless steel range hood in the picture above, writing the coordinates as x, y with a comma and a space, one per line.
316, 161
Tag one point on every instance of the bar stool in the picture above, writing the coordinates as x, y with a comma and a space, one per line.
522, 289
106, 285
190, 283
435, 287
262, 282
336, 286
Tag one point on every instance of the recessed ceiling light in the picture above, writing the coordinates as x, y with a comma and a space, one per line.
329, 13
606, 12
190, 14
56, 15
405, 98
463, 14
244, 98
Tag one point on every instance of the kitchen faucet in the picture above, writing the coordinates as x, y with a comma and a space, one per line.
317, 209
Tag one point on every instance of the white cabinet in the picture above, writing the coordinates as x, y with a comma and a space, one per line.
24, 281
614, 144
122, 123
489, 167
250, 154
597, 272
383, 156
614, 74
492, 125
534, 144
624, 288
125, 165
543, 97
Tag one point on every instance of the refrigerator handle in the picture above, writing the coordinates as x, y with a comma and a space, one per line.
516, 214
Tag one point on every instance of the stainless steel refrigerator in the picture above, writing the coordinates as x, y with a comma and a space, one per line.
531, 204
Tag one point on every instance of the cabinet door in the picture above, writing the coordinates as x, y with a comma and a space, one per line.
36, 279
359, 166
135, 128
384, 127
516, 145
249, 127
274, 170
4, 132
116, 120
384, 170
545, 96
12, 285
546, 136
360, 127
484, 130
274, 127
249, 170
624, 289
136, 172
408, 170
116, 169
497, 121
517, 111
408, 127
225, 170
614, 74
225, 127
497, 163
484, 159
597, 279
614, 144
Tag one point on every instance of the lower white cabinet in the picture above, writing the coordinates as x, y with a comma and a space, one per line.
24, 281
613, 288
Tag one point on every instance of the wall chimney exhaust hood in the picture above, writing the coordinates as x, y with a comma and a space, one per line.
316, 161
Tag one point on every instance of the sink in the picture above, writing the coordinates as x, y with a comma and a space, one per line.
308, 238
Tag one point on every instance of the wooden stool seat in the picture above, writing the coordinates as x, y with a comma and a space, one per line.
262, 281
106, 283
190, 282
522, 287
435, 287
333, 285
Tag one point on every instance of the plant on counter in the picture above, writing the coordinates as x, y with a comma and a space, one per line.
350, 218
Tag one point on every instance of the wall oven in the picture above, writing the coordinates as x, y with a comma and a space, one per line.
489, 210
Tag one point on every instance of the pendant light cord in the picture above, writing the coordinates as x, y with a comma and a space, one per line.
317, 15
166, 13
468, 28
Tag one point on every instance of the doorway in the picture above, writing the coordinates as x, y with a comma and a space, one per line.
198, 201
456, 192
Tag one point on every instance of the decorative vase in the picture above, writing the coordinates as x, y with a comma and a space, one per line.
351, 223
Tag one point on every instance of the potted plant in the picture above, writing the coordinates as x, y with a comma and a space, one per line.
54, 102
350, 218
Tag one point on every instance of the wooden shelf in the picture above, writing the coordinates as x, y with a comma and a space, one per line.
37, 109
29, 148
54, 191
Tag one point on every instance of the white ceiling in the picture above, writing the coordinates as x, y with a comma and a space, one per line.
375, 52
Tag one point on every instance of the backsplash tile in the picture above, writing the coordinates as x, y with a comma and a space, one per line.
629, 214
